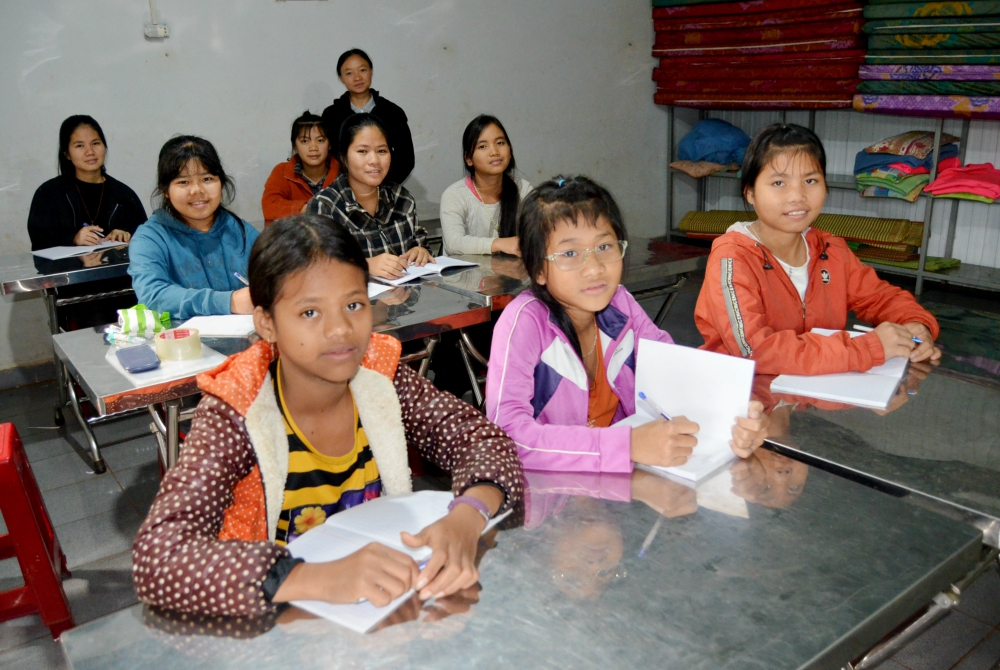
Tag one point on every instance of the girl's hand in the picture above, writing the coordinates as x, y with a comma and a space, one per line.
454, 541
666, 497
664, 443
506, 245
418, 256
387, 266
374, 572
926, 349
240, 302
895, 340
88, 236
749, 433
117, 236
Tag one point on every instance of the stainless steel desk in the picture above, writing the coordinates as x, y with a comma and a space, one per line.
408, 314
810, 585
25, 273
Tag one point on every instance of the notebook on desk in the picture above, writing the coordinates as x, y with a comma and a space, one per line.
708, 388
380, 520
873, 389
440, 264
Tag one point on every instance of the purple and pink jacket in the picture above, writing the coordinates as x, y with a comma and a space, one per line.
537, 388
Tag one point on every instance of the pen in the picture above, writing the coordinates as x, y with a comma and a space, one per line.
99, 233
868, 329
241, 278
421, 566
653, 406
649, 538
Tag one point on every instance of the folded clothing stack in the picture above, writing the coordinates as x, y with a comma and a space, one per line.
712, 146
978, 182
932, 59
900, 166
887, 241
764, 54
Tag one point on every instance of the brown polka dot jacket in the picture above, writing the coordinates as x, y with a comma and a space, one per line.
207, 544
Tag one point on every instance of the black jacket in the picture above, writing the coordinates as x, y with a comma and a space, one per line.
392, 117
57, 212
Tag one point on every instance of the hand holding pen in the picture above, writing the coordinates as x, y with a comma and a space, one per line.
911, 340
663, 442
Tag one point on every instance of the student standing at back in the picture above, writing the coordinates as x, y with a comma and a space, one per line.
770, 281
311, 168
381, 216
186, 258
84, 205
479, 212
354, 69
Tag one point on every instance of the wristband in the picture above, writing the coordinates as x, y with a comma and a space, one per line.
475, 503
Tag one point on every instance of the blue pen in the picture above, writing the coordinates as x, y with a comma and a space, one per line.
241, 278
868, 329
653, 406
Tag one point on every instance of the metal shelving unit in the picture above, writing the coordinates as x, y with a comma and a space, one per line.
977, 276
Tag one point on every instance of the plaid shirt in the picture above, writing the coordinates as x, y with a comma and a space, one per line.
393, 229
318, 186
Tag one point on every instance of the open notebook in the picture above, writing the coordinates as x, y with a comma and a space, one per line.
380, 520
440, 264
708, 388
873, 388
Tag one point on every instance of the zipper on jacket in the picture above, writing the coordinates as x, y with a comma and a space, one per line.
111, 216
72, 208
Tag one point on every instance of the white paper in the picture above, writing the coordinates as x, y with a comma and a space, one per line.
377, 289
713, 492
705, 387
380, 520
169, 370
222, 325
873, 388
439, 264
57, 253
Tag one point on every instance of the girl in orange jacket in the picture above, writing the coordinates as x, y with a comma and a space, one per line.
770, 281
311, 168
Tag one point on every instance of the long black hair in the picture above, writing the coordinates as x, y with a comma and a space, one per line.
349, 130
66, 130
176, 153
775, 139
509, 196
293, 244
353, 52
561, 199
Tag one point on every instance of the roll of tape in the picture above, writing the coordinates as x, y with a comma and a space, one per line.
178, 344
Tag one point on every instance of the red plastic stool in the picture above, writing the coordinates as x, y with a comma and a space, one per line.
31, 539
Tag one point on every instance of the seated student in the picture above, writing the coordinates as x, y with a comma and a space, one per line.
562, 368
770, 281
381, 215
311, 168
282, 441
354, 69
186, 259
479, 213
84, 205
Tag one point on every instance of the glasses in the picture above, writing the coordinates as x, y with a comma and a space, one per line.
574, 259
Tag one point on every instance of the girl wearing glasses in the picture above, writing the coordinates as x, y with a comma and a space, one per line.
562, 366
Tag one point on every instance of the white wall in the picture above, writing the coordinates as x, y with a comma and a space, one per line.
570, 79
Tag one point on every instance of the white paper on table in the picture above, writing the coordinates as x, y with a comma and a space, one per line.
377, 289
873, 389
705, 387
380, 520
169, 370
57, 253
222, 325
440, 264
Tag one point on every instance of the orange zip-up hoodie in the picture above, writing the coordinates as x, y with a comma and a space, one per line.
286, 193
749, 307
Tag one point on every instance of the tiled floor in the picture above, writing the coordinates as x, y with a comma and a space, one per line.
96, 518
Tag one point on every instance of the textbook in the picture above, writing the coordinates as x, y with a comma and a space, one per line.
873, 389
58, 253
708, 388
221, 325
380, 520
440, 264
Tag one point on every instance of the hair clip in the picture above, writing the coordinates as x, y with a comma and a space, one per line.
560, 183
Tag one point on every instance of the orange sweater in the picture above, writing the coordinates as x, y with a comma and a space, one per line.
746, 310
286, 193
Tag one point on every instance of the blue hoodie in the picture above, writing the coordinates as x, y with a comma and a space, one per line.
180, 270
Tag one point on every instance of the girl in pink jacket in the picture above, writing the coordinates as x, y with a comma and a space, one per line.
562, 363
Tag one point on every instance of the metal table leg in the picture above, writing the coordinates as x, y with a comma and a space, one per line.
95, 452
424, 356
467, 350
166, 428
49, 298
668, 303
